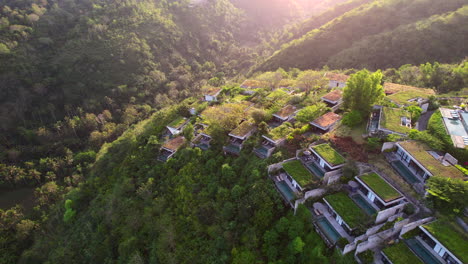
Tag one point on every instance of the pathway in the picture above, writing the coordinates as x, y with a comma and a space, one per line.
423, 120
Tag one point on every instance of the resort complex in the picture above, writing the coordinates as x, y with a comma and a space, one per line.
361, 207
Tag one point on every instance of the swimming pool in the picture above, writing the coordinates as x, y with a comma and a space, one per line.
361, 201
328, 230
286, 191
405, 172
315, 170
455, 126
420, 251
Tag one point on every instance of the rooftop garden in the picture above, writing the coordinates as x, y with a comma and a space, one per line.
242, 130
380, 187
391, 120
175, 143
329, 154
296, 170
286, 111
402, 97
419, 152
452, 236
255, 84
211, 90
178, 122
280, 132
401, 254
349, 211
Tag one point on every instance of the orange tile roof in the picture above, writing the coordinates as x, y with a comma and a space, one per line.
337, 76
391, 88
327, 119
333, 95
175, 143
210, 90
286, 111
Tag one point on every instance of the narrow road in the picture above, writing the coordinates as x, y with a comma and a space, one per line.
423, 120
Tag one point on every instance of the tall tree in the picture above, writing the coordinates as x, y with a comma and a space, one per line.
362, 90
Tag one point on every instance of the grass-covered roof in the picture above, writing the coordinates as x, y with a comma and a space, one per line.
243, 129
300, 173
452, 236
329, 154
175, 143
401, 254
380, 187
177, 123
280, 132
349, 211
391, 119
434, 166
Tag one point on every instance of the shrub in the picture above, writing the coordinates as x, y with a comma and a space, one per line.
367, 257
411, 233
373, 143
409, 209
352, 119
462, 169
342, 242
85, 157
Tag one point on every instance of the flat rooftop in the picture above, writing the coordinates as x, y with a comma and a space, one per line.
336, 76
349, 211
300, 173
392, 119
177, 123
210, 90
393, 88
333, 96
243, 129
255, 84
326, 120
420, 152
401, 254
286, 111
175, 143
329, 154
381, 187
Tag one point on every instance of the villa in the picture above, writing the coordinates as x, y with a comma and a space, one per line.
249, 85
326, 122
375, 195
211, 94
388, 120
415, 162
336, 80
456, 125
298, 176
202, 137
333, 99
176, 126
238, 136
326, 158
404, 95
400, 254
345, 211
275, 138
447, 241
170, 148
285, 114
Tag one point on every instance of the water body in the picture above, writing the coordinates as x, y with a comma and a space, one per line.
21, 196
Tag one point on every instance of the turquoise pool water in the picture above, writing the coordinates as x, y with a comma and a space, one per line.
203, 146
262, 150
421, 251
361, 201
405, 172
285, 190
327, 229
455, 127
315, 170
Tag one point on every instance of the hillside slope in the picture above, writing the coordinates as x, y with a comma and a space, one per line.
315, 49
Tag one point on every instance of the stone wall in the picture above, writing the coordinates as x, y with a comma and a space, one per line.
315, 193
388, 145
405, 229
332, 177
385, 214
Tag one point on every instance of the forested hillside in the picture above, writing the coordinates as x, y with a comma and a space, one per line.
382, 29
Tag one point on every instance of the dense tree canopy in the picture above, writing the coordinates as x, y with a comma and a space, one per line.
363, 89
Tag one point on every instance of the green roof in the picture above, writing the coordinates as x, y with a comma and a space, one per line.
452, 236
300, 173
401, 254
349, 211
391, 119
329, 154
380, 187
176, 123
280, 132
402, 98
419, 152
242, 130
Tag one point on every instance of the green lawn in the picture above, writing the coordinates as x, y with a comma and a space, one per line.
380, 187
451, 236
401, 254
300, 173
329, 154
176, 123
391, 120
402, 98
351, 213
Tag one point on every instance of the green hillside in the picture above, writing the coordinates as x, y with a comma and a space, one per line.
316, 48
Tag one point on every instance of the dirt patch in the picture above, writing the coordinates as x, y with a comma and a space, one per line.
354, 150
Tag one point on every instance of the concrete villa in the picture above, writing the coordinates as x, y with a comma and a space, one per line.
170, 148
333, 99
326, 122
211, 94
285, 114
336, 80
238, 136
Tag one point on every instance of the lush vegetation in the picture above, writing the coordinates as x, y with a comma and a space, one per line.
329, 154
392, 119
363, 89
381, 34
383, 189
299, 173
449, 195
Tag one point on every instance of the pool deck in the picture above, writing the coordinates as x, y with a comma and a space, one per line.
371, 204
324, 210
429, 250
